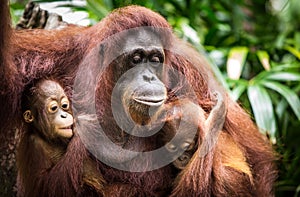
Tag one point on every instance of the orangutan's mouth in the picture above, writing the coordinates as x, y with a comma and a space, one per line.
155, 101
67, 127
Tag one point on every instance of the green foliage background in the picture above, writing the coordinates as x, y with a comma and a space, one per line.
255, 37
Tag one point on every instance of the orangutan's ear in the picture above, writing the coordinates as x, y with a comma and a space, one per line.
28, 117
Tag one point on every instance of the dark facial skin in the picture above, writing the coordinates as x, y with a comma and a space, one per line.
50, 111
137, 74
141, 78
185, 139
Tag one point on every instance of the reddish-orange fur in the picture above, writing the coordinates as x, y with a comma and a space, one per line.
39, 53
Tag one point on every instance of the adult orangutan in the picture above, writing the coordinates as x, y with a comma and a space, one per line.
47, 147
139, 66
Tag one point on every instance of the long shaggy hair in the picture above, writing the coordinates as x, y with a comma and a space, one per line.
240, 164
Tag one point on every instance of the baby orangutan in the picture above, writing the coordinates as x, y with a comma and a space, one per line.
49, 159
49, 111
183, 121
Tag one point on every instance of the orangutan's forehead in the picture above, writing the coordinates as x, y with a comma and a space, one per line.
142, 39
50, 88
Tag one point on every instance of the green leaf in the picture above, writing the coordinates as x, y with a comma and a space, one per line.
290, 96
190, 33
297, 40
279, 42
292, 50
286, 66
97, 8
264, 59
238, 91
260, 76
235, 62
281, 108
262, 108
297, 191
284, 76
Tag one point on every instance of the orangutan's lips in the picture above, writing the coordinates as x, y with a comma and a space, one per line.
68, 127
150, 101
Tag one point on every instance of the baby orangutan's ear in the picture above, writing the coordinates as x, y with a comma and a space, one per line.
28, 117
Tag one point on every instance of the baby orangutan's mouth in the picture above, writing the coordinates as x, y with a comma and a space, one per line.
66, 131
68, 127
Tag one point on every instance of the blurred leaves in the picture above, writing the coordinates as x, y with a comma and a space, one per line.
263, 110
264, 59
235, 61
290, 96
